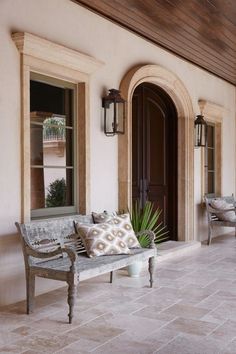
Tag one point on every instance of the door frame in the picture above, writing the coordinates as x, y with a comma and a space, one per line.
173, 86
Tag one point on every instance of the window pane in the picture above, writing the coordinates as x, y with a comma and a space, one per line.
211, 182
211, 159
51, 187
51, 143
49, 98
52, 134
210, 135
36, 144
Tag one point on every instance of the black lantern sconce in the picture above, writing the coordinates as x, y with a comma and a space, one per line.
200, 131
114, 113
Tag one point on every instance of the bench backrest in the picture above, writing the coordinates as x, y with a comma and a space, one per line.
48, 234
208, 200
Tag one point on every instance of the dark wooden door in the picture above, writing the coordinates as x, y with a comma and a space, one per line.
154, 152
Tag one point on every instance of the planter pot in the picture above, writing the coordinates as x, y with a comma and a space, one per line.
134, 269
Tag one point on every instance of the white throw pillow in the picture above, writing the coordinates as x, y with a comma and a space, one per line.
221, 204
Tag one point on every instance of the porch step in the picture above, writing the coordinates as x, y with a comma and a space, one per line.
169, 249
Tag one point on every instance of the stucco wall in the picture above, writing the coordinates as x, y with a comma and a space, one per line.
68, 24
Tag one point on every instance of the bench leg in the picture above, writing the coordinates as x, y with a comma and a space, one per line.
30, 292
209, 235
111, 277
72, 292
151, 263
235, 231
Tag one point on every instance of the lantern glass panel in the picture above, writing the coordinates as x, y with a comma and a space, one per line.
109, 119
204, 136
200, 133
197, 135
120, 117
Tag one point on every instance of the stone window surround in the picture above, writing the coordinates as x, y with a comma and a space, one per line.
50, 59
175, 88
213, 113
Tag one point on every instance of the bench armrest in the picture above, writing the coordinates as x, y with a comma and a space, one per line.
44, 255
151, 236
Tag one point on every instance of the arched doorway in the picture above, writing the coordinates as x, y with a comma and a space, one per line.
176, 90
154, 152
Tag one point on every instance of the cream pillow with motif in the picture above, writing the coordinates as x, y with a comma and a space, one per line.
101, 239
101, 217
124, 230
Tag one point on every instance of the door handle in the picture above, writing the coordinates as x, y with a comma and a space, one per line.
145, 189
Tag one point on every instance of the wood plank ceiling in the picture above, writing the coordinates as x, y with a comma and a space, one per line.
200, 31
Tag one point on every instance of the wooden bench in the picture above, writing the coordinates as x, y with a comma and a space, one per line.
213, 214
53, 250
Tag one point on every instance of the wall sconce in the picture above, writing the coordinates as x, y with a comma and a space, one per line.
200, 131
114, 113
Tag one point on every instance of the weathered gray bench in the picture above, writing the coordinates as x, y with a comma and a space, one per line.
213, 214
53, 250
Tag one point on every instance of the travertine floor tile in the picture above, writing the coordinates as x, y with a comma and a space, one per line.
128, 345
98, 330
185, 311
226, 332
201, 328
184, 344
230, 349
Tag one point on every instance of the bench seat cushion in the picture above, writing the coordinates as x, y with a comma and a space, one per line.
91, 267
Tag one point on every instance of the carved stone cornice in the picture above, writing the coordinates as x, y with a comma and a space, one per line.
29, 44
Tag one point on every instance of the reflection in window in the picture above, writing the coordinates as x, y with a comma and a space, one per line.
52, 165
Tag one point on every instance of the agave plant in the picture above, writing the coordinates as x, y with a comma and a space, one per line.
147, 218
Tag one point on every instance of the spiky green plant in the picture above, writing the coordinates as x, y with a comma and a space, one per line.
147, 218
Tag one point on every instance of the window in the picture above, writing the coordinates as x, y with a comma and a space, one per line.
52, 132
67, 76
211, 156
210, 171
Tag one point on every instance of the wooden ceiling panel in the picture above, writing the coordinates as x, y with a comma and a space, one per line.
200, 31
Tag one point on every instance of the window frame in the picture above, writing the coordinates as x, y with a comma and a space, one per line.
47, 58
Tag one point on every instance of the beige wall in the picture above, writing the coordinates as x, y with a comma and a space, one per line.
68, 24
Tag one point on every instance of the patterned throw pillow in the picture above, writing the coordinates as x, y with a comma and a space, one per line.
123, 226
125, 230
101, 217
101, 239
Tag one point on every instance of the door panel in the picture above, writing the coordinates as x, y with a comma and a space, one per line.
154, 152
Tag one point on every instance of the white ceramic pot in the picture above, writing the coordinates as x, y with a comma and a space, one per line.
134, 269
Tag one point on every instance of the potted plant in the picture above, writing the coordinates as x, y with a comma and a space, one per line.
146, 218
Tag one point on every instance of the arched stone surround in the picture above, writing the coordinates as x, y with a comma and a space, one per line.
175, 88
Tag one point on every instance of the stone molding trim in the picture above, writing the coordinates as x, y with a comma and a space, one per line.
38, 55
41, 48
212, 112
169, 82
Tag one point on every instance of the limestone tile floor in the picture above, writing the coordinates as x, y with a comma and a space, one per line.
191, 309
